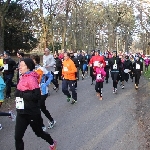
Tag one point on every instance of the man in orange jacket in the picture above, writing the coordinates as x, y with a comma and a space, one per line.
68, 73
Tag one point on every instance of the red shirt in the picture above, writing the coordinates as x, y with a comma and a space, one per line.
95, 59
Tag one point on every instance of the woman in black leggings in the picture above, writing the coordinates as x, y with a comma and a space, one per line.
28, 112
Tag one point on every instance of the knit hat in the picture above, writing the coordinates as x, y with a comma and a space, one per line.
30, 64
7, 52
126, 57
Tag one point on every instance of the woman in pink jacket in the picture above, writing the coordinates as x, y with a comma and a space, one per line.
100, 75
147, 62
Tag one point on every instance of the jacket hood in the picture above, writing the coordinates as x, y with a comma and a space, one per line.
31, 73
28, 81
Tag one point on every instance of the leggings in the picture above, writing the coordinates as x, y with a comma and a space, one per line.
4, 114
22, 122
99, 87
43, 109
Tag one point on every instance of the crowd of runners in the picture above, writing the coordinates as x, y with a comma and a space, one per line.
65, 69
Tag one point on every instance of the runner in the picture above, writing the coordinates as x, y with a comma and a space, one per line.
107, 67
114, 63
127, 68
69, 77
146, 62
76, 62
100, 74
137, 69
45, 79
94, 62
131, 57
49, 63
58, 68
83, 64
28, 112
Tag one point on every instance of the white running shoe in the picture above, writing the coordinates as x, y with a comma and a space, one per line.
51, 124
44, 128
13, 116
0, 127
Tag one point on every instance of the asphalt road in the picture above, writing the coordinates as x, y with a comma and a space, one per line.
90, 124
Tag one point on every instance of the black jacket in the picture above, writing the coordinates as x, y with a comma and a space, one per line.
137, 66
107, 63
11, 66
112, 61
58, 64
31, 99
75, 60
79, 58
84, 60
127, 64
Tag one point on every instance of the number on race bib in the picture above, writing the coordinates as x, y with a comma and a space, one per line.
99, 76
137, 66
106, 62
65, 69
115, 66
19, 103
96, 63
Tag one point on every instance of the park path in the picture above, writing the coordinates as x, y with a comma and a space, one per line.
90, 124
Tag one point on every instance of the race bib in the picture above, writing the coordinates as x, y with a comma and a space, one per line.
99, 76
96, 63
137, 66
106, 62
126, 70
56, 72
115, 66
19, 103
5, 66
65, 69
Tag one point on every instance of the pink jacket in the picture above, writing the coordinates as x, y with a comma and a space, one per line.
28, 81
100, 74
147, 62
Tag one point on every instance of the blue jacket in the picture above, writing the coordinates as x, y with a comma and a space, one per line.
45, 81
2, 86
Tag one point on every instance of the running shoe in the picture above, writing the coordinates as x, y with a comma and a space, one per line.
113, 91
73, 101
68, 99
101, 98
13, 116
51, 124
136, 87
53, 147
0, 127
97, 94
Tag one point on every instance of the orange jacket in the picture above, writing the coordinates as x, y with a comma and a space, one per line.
69, 69
40, 73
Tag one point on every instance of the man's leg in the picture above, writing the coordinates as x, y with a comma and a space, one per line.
8, 85
74, 93
65, 89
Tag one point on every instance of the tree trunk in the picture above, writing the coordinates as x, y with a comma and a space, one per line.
65, 27
1, 34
